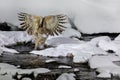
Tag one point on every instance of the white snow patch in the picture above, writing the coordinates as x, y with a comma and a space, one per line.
66, 76
108, 45
62, 40
117, 38
8, 50
64, 66
96, 40
104, 65
76, 69
12, 37
50, 60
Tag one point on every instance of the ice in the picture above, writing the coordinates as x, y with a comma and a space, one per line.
66, 76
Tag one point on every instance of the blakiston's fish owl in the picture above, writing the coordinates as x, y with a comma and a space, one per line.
42, 27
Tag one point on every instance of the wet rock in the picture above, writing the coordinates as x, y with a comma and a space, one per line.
4, 27
8, 27
110, 51
36, 62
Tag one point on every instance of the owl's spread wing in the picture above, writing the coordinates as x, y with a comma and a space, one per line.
30, 23
54, 24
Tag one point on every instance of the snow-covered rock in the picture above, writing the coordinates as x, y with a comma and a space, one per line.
66, 76
81, 52
108, 45
96, 40
64, 66
50, 60
12, 37
8, 50
10, 70
100, 61
104, 65
62, 40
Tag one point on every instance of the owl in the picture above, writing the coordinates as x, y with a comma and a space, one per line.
42, 27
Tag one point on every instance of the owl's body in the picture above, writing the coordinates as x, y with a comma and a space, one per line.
42, 27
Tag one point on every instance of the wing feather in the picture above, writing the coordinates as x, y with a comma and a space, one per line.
30, 23
54, 24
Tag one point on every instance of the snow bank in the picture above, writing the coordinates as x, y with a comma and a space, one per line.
66, 76
10, 70
105, 65
88, 15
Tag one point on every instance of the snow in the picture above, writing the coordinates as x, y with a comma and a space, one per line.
93, 51
117, 38
12, 37
88, 15
69, 32
10, 70
96, 40
8, 50
104, 65
62, 40
50, 60
81, 52
66, 76
64, 66
108, 45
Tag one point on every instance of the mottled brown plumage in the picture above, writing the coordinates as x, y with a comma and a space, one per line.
42, 27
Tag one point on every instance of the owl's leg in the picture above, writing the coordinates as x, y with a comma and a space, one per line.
42, 43
36, 41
